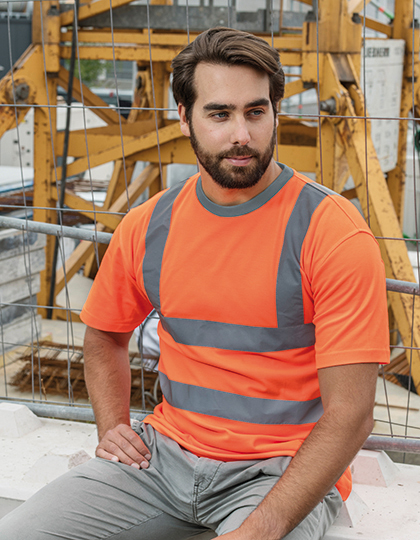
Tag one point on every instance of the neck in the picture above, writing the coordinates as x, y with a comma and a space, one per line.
232, 197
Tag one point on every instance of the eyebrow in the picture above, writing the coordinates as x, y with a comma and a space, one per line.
231, 107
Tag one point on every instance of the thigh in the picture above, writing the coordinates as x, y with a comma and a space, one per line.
97, 500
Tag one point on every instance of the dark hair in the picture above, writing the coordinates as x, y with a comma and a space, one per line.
230, 47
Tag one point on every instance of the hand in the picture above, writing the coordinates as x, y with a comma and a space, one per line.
124, 445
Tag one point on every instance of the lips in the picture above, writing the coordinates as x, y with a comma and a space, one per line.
239, 161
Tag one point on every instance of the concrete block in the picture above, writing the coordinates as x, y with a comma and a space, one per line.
20, 288
57, 462
24, 306
22, 265
21, 331
14, 242
17, 420
352, 511
373, 468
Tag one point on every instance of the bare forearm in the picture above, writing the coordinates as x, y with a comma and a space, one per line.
314, 470
108, 380
348, 395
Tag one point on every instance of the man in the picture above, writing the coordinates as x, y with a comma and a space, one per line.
273, 319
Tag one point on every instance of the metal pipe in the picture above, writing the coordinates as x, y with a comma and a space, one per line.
78, 413
56, 230
393, 285
83, 413
406, 287
394, 444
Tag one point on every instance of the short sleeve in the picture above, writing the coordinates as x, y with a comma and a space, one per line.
350, 305
117, 301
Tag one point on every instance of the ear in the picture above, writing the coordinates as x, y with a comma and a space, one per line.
185, 127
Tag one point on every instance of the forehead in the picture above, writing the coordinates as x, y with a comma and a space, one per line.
229, 84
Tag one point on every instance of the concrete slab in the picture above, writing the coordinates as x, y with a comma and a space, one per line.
17, 420
373, 512
373, 469
393, 511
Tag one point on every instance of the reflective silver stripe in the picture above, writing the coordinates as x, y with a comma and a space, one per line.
289, 299
235, 337
291, 332
220, 404
156, 236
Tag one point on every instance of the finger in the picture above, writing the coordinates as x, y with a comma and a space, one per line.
101, 453
126, 447
134, 439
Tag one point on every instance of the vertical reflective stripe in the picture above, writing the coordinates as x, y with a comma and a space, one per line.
156, 236
289, 298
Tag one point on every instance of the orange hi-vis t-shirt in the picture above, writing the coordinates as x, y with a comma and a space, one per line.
253, 299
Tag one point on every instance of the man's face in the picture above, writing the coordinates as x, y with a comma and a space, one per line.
232, 128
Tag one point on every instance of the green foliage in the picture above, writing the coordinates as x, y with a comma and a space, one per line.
89, 69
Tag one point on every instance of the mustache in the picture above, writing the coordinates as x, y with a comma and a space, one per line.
239, 152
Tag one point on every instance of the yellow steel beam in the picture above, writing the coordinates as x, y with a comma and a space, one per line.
43, 194
46, 32
117, 183
87, 208
335, 31
142, 54
377, 26
354, 6
403, 29
161, 38
121, 178
8, 114
302, 158
377, 205
293, 88
90, 10
111, 153
80, 142
85, 249
105, 112
43, 65
27, 71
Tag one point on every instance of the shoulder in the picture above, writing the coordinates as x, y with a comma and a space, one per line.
135, 222
331, 208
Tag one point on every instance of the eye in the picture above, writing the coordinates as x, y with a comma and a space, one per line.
256, 112
220, 115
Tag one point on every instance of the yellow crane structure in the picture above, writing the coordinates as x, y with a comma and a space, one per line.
327, 49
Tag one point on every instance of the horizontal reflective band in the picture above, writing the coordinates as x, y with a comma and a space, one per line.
239, 408
235, 337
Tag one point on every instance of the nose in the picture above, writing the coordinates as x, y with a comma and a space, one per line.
240, 134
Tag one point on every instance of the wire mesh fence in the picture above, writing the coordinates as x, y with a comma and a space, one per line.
89, 130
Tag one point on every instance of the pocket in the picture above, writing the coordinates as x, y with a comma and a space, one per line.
137, 426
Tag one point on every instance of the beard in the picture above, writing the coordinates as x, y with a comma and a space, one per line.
230, 176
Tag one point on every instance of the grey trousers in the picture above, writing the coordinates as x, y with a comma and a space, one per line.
178, 496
